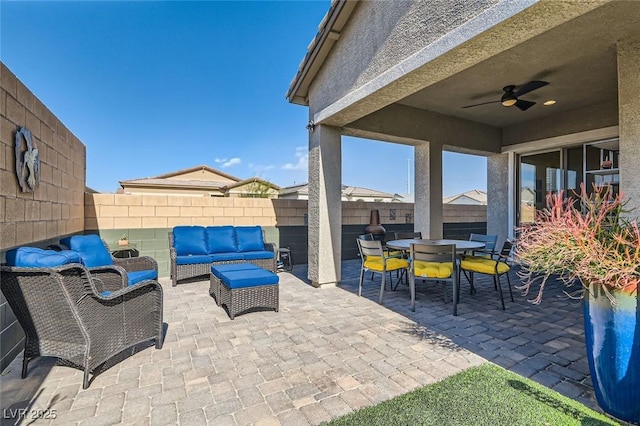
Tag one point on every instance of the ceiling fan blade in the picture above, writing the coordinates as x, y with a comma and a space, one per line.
524, 105
483, 103
529, 87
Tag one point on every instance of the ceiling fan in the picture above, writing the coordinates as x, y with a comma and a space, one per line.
510, 97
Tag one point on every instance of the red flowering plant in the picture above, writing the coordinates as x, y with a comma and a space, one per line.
584, 239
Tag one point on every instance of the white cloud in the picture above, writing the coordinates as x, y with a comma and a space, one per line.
302, 163
228, 162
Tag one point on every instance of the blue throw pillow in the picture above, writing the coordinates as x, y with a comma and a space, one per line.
33, 257
249, 238
221, 239
91, 249
189, 240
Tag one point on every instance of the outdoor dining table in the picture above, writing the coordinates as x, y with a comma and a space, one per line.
461, 245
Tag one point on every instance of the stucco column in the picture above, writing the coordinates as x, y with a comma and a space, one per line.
427, 208
629, 120
499, 199
325, 205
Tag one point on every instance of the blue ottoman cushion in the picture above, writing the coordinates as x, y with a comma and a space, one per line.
248, 278
219, 269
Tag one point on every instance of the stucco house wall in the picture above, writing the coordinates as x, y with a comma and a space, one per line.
390, 32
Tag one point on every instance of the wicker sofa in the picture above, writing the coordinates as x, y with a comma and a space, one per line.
195, 249
66, 313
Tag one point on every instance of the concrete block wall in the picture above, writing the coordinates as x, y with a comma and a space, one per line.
147, 220
56, 208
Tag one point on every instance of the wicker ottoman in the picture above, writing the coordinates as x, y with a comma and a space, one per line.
244, 288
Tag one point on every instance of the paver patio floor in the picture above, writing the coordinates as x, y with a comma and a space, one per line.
326, 353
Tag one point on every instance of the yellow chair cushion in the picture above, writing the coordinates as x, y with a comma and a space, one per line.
482, 256
374, 258
374, 263
432, 269
484, 266
387, 254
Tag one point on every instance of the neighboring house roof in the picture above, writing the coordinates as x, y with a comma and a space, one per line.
252, 180
213, 179
202, 167
347, 191
528, 195
302, 189
406, 198
175, 182
474, 196
200, 178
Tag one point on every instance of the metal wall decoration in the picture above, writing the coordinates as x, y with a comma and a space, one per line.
27, 161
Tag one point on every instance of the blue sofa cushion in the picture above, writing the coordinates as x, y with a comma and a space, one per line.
249, 238
259, 254
223, 257
221, 239
248, 278
137, 276
91, 250
191, 260
219, 269
33, 257
189, 240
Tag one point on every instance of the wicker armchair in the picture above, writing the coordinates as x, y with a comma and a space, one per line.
112, 271
64, 314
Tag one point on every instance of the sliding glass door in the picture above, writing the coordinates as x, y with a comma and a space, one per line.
547, 173
540, 174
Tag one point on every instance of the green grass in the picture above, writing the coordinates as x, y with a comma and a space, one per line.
484, 395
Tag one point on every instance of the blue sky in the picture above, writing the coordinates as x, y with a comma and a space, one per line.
154, 87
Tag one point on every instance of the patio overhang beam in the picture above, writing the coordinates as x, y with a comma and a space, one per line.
412, 126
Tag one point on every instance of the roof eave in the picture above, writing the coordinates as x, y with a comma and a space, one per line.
329, 32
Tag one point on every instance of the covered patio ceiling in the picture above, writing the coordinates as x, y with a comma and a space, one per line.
577, 58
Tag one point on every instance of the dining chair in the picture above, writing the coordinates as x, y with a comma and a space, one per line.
486, 252
406, 235
496, 266
435, 263
489, 241
375, 260
388, 253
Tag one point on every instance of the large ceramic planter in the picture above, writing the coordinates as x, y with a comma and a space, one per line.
612, 335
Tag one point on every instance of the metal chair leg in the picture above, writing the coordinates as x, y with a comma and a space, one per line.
360, 283
382, 284
412, 291
500, 288
509, 282
25, 362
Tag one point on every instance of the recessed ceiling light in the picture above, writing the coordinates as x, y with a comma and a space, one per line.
549, 102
